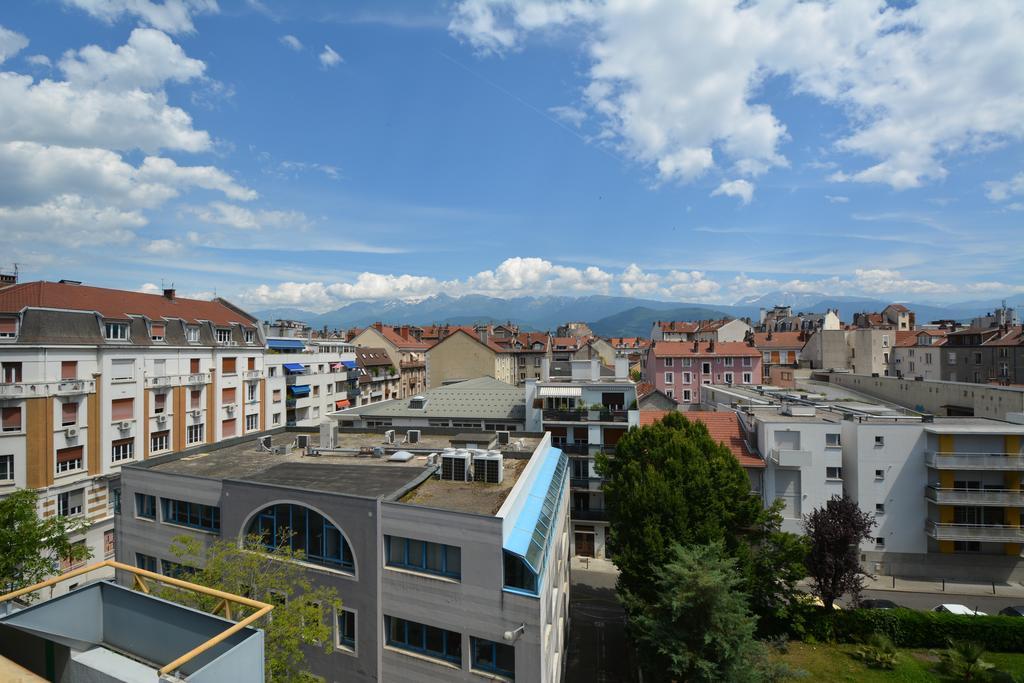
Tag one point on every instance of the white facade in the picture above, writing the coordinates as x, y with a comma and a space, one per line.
327, 370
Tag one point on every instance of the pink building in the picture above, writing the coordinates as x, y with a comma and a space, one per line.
679, 368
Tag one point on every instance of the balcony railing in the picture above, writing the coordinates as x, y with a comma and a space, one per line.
785, 457
589, 515
997, 497
585, 415
575, 448
163, 381
1013, 462
250, 374
996, 533
585, 483
177, 380
68, 387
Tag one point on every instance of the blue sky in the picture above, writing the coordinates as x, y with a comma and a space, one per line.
316, 153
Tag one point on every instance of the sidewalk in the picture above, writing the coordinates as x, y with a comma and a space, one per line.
593, 564
936, 586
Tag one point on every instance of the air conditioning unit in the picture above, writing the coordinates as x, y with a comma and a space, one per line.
487, 467
502, 438
455, 466
389, 436
161, 419
302, 441
412, 436
124, 425
230, 409
264, 442
71, 432
196, 413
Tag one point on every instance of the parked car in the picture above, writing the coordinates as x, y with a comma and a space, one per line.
1013, 611
878, 603
953, 608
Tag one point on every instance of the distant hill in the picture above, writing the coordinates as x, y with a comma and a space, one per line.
637, 322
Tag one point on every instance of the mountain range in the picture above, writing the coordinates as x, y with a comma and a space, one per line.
607, 315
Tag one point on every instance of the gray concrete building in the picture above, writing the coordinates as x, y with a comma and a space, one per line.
450, 564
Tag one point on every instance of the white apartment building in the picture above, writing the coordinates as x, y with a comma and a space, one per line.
95, 378
308, 379
918, 354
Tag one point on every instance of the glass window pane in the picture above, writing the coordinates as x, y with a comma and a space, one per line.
483, 653
435, 557
454, 643
332, 542
415, 553
506, 658
454, 560
415, 631
396, 550
299, 531
435, 640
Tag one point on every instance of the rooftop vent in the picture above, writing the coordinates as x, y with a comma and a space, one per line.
455, 466
487, 467
417, 402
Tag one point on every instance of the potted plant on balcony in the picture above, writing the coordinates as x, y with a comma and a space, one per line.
595, 411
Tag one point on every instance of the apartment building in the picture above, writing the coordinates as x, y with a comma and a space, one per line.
983, 355
378, 379
724, 330
585, 413
528, 351
462, 355
448, 568
407, 354
916, 354
92, 379
782, 319
665, 330
679, 369
963, 399
565, 349
778, 349
629, 346
308, 379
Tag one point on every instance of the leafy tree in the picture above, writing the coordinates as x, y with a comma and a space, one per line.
835, 532
302, 613
31, 547
635, 375
698, 628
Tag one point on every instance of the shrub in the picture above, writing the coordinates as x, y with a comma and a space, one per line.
962, 661
878, 652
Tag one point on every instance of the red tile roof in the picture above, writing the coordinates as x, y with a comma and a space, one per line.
392, 335
724, 427
1014, 336
643, 389
677, 326
118, 304
778, 340
629, 342
677, 349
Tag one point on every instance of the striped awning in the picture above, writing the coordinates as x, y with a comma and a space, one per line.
560, 392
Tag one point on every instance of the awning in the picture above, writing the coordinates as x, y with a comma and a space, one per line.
350, 364
285, 345
299, 390
294, 367
560, 392
336, 366
343, 403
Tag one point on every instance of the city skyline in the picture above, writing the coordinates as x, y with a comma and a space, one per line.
311, 157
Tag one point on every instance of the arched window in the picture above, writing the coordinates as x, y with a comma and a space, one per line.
306, 531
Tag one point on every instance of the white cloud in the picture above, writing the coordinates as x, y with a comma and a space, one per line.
1001, 190
837, 199
676, 82
147, 61
149, 288
38, 60
241, 218
69, 220
163, 248
329, 57
675, 284
570, 115
172, 16
11, 43
741, 189
332, 172
291, 42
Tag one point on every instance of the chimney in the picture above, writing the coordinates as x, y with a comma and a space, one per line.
169, 293
379, 326
695, 345
403, 331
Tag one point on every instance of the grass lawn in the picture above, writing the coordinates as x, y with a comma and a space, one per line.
836, 663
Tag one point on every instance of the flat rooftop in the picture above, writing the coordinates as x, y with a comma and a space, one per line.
473, 497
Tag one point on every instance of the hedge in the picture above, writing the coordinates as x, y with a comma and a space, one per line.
913, 629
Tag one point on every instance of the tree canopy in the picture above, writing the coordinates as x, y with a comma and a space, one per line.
835, 532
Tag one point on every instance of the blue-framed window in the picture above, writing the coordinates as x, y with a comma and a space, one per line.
492, 657
518, 574
194, 515
145, 505
115, 500
176, 570
305, 531
421, 556
147, 562
347, 629
426, 640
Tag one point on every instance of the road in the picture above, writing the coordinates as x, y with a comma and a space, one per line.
989, 604
597, 641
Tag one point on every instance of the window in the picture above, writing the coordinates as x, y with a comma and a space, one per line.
228, 395
69, 503
122, 409
728, 362
669, 393
967, 546
195, 399
687, 378
159, 403
223, 336
276, 420
193, 434
951, 358
69, 459
879, 441
7, 467
748, 378
251, 363
192, 334
428, 640
8, 328
767, 358
833, 440
11, 372
687, 396
122, 370
156, 332
69, 369
116, 331
122, 449
147, 562
193, 515
687, 362
879, 474
193, 366
306, 531
669, 378
747, 362
705, 368
833, 472
885, 341
422, 556
115, 500
145, 506
108, 543
228, 365
669, 362
536, 362
176, 570
277, 396
250, 337
252, 422
518, 574
492, 657
160, 441
728, 378
68, 414
228, 428
879, 508
880, 542
346, 630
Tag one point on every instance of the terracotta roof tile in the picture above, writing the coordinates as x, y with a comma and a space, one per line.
676, 349
779, 340
724, 427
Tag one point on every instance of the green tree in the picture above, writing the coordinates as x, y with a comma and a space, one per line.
302, 614
30, 547
635, 375
699, 627
835, 532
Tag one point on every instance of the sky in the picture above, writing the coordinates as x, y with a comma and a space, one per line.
317, 153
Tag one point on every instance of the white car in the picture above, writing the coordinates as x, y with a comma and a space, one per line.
953, 608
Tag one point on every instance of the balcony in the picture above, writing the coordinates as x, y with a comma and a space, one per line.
564, 416
586, 416
162, 381
250, 375
68, 387
589, 515
412, 364
197, 378
996, 462
585, 483
995, 533
996, 497
785, 457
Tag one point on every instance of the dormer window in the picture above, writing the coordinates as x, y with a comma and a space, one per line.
115, 331
250, 336
156, 332
223, 335
8, 328
192, 334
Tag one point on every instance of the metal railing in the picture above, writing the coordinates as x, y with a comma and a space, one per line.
997, 533
67, 387
953, 496
974, 461
251, 374
591, 514
586, 483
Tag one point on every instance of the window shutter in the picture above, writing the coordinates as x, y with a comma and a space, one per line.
193, 366
69, 369
69, 454
227, 396
228, 365
8, 325
69, 413
122, 409
228, 428
12, 418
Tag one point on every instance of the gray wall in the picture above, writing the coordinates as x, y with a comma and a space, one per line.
935, 397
